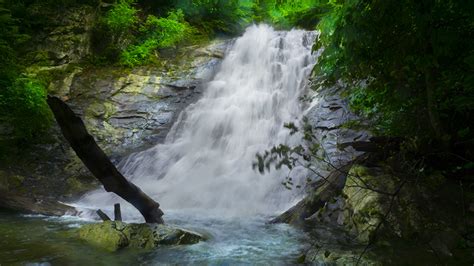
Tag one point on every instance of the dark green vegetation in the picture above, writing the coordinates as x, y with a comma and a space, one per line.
410, 67
407, 68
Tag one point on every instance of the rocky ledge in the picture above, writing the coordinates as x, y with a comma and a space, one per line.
114, 235
126, 110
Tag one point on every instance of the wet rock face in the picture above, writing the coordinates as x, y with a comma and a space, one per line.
125, 110
129, 110
68, 39
330, 116
113, 236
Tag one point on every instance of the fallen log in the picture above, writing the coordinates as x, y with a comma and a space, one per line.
99, 164
103, 215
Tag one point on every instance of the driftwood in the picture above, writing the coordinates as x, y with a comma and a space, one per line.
99, 164
103, 215
117, 212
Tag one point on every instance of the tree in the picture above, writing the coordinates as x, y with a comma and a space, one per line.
409, 66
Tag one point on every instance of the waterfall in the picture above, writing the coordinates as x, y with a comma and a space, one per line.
205, 162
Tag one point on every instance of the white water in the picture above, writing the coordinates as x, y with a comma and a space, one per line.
205, 163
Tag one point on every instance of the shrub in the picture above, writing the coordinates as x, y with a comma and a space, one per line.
167, 31
121, 17
157, 33
24, 102
138, 54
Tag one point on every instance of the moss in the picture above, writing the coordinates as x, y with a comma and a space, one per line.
367, 205
9, 181
75, 186
3, 181
109, 110
113, 236
104, 235
340, 257
15, 181
140, 236
95, 109
100, 109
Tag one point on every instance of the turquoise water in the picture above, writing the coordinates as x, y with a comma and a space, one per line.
40, 240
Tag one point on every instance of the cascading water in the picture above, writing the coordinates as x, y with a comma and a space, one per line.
203, 170
206, 160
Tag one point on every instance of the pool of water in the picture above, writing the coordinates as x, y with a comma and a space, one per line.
41, 240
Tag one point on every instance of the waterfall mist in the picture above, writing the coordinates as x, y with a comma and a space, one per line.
205, 163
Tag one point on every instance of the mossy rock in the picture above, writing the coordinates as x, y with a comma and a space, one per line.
366, 204
339, 257
113, 235
10, 182
170, 235
139, 235
105, 235
77, 185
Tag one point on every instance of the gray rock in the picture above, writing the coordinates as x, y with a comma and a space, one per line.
328, 114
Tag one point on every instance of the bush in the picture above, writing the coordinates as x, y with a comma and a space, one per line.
157, 33
25, 104
138, 54
121, 17
211, 16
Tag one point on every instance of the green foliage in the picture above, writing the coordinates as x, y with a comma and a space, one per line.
287, 14
136, 55
10, 38
167, 31
25, 103
131, 36
22, 100
121, 17
211, 16
414, 56
157, 33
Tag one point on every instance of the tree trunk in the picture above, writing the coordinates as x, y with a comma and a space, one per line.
99, 164
431, 105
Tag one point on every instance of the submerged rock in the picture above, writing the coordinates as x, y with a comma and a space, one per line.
114, 235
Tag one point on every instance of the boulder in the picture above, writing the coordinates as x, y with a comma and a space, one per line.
115, 235
366, 207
